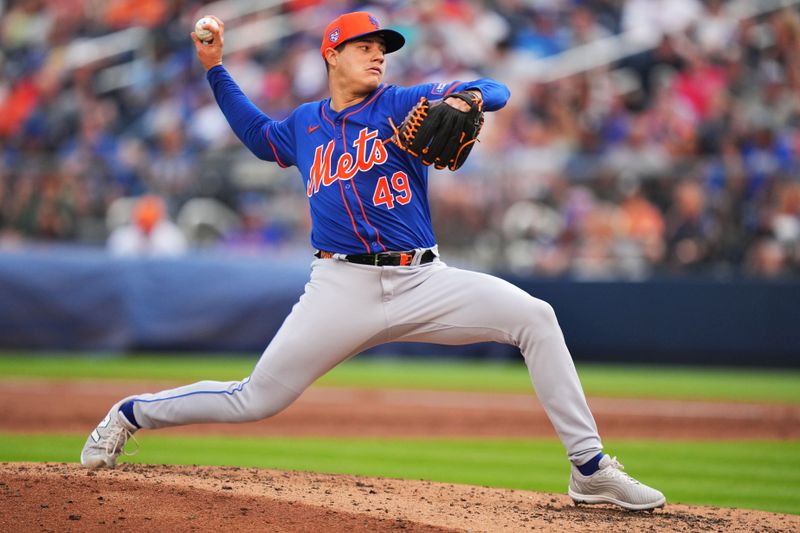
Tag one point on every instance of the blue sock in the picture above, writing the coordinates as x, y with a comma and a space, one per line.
587, 469
127, 410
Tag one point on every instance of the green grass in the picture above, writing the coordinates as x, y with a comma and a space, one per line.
751, 474
599, 380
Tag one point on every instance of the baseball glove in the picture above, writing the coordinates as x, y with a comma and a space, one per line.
438, 133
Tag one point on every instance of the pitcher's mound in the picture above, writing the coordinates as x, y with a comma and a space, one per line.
65, 497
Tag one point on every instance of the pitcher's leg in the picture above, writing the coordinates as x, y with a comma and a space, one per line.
455, 306
556, 381
323, 329
213, 401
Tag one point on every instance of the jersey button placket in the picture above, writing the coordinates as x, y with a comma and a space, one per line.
351, 195
355, 203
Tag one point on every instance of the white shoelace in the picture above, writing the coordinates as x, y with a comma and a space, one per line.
617, 469
117, 440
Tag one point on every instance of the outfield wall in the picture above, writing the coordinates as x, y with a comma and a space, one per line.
85, 300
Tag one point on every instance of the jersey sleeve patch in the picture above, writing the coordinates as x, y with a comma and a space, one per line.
439, 88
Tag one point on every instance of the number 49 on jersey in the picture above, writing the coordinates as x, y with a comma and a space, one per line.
387, 193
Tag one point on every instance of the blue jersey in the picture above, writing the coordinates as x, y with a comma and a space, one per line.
365, 195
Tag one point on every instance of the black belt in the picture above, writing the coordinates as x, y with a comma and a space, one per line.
383, 258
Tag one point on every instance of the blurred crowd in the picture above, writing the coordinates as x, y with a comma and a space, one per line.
679, 157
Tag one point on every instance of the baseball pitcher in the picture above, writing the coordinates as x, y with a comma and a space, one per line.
364, 155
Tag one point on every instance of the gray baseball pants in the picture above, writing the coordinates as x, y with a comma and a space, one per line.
347, 308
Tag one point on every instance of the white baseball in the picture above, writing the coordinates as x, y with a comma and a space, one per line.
204, 34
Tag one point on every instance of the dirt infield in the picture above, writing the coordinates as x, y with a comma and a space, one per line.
76, 406
63, 497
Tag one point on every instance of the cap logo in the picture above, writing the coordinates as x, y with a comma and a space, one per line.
333, 36
374, 22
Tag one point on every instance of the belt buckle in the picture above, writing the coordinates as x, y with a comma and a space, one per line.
404, 258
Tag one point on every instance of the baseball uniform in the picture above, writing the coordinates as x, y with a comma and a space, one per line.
377, 275
368, 197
